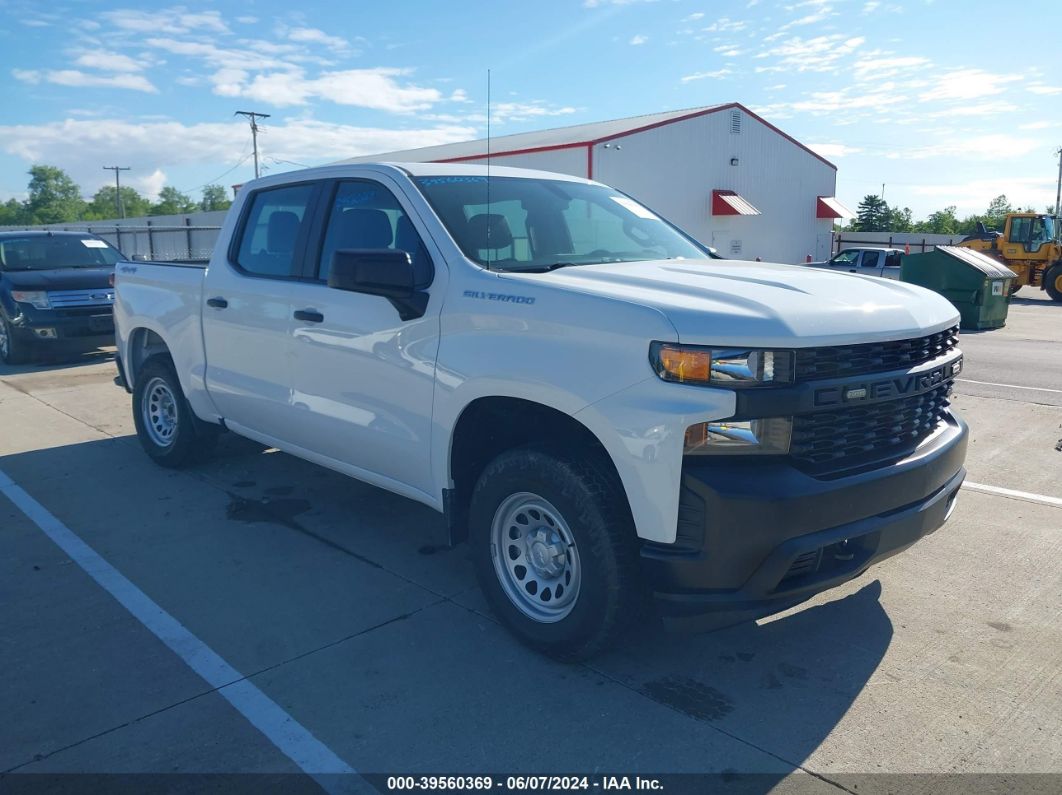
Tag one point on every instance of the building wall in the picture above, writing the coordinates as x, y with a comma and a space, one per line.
674, 168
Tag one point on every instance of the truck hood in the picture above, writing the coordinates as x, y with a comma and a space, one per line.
59, 278
754, 303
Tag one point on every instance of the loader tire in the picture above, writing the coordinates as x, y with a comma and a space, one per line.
1053, 282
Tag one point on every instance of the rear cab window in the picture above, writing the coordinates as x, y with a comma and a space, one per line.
273, 230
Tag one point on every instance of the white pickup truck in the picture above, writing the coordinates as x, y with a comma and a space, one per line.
600, 408
883, 262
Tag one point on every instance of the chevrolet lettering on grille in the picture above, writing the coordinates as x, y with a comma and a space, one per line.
888, 388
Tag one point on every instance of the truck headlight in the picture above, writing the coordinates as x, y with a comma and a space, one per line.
767, 436
36, 298
729, 368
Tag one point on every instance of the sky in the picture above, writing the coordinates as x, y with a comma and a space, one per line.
944, 102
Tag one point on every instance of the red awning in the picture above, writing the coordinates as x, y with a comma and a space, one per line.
829, 207
726, 202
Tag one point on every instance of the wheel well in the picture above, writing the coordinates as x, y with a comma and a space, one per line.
490, 426
143, 344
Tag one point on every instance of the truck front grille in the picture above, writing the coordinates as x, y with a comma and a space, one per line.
65, 299
836, 439
873, 357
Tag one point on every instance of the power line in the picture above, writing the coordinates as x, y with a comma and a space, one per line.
117, 188
252, 117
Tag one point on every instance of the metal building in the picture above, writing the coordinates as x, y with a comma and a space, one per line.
722, 173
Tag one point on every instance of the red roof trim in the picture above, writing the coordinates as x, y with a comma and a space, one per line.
653, 126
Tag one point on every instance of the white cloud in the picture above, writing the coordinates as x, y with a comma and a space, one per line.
109, 62
718, 74
974, 195
638, 39
1040, 89
967, 84
725, 24
79, 79
459, 95
694, 16
150, 185
171, 20
377, 88
246, 20
817, 54
81, 145
524, 111
979, 147
316, 36
833, 150
1035, 125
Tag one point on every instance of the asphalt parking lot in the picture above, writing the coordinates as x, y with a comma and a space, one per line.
337, 602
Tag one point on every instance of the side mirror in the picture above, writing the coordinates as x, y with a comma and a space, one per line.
384, 272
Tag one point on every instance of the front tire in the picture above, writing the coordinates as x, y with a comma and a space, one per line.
555, 551
1053, 282
167, 429
12, 349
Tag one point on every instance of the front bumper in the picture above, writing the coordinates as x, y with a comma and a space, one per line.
757, 537
83, 324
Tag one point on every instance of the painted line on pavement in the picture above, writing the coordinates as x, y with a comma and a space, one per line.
1009, 386
1043, 499
289, 736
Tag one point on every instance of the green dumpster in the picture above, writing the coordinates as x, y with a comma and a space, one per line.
976, 284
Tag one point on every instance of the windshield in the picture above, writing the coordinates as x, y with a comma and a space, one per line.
47, 252
846, 257
541, 224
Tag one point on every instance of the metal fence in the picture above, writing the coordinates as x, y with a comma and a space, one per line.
918, 241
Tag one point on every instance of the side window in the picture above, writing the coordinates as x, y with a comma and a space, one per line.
871, 259
1020, 230
274, 222
366, 215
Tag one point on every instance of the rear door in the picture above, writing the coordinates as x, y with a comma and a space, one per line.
363, 378
246, 309
871, 263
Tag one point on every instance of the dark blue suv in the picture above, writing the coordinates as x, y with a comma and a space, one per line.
54, 290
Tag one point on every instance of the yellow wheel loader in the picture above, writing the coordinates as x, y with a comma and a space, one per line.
1028, 246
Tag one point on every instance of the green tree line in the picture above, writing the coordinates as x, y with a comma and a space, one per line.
875, 215
54, 198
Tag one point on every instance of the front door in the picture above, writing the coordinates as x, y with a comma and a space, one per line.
362, 378
246, 310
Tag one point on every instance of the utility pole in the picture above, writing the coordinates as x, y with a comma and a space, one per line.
252, 117
119, 208
1058, 194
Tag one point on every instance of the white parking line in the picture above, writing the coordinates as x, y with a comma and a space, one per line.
288, 735
1043, 499
1009, 386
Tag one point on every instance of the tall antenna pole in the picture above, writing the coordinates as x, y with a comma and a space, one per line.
488, 170
118, 207
252, 117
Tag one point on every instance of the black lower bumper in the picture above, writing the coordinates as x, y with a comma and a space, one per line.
50, 326
756, 538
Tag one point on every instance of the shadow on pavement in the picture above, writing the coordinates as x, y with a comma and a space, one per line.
751, 699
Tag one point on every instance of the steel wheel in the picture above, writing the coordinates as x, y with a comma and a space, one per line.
535, 558
159, 410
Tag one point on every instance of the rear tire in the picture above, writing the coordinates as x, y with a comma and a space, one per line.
555, 551
167, 429
12, 349
1053, 282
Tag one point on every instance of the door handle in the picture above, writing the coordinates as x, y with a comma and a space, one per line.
309, 315
217, 303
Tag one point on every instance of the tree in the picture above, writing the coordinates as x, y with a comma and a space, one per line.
53, 196
872, 215
215, 198
941, 222
102, 205
900, 220
12, 213
996, 214
173, 202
